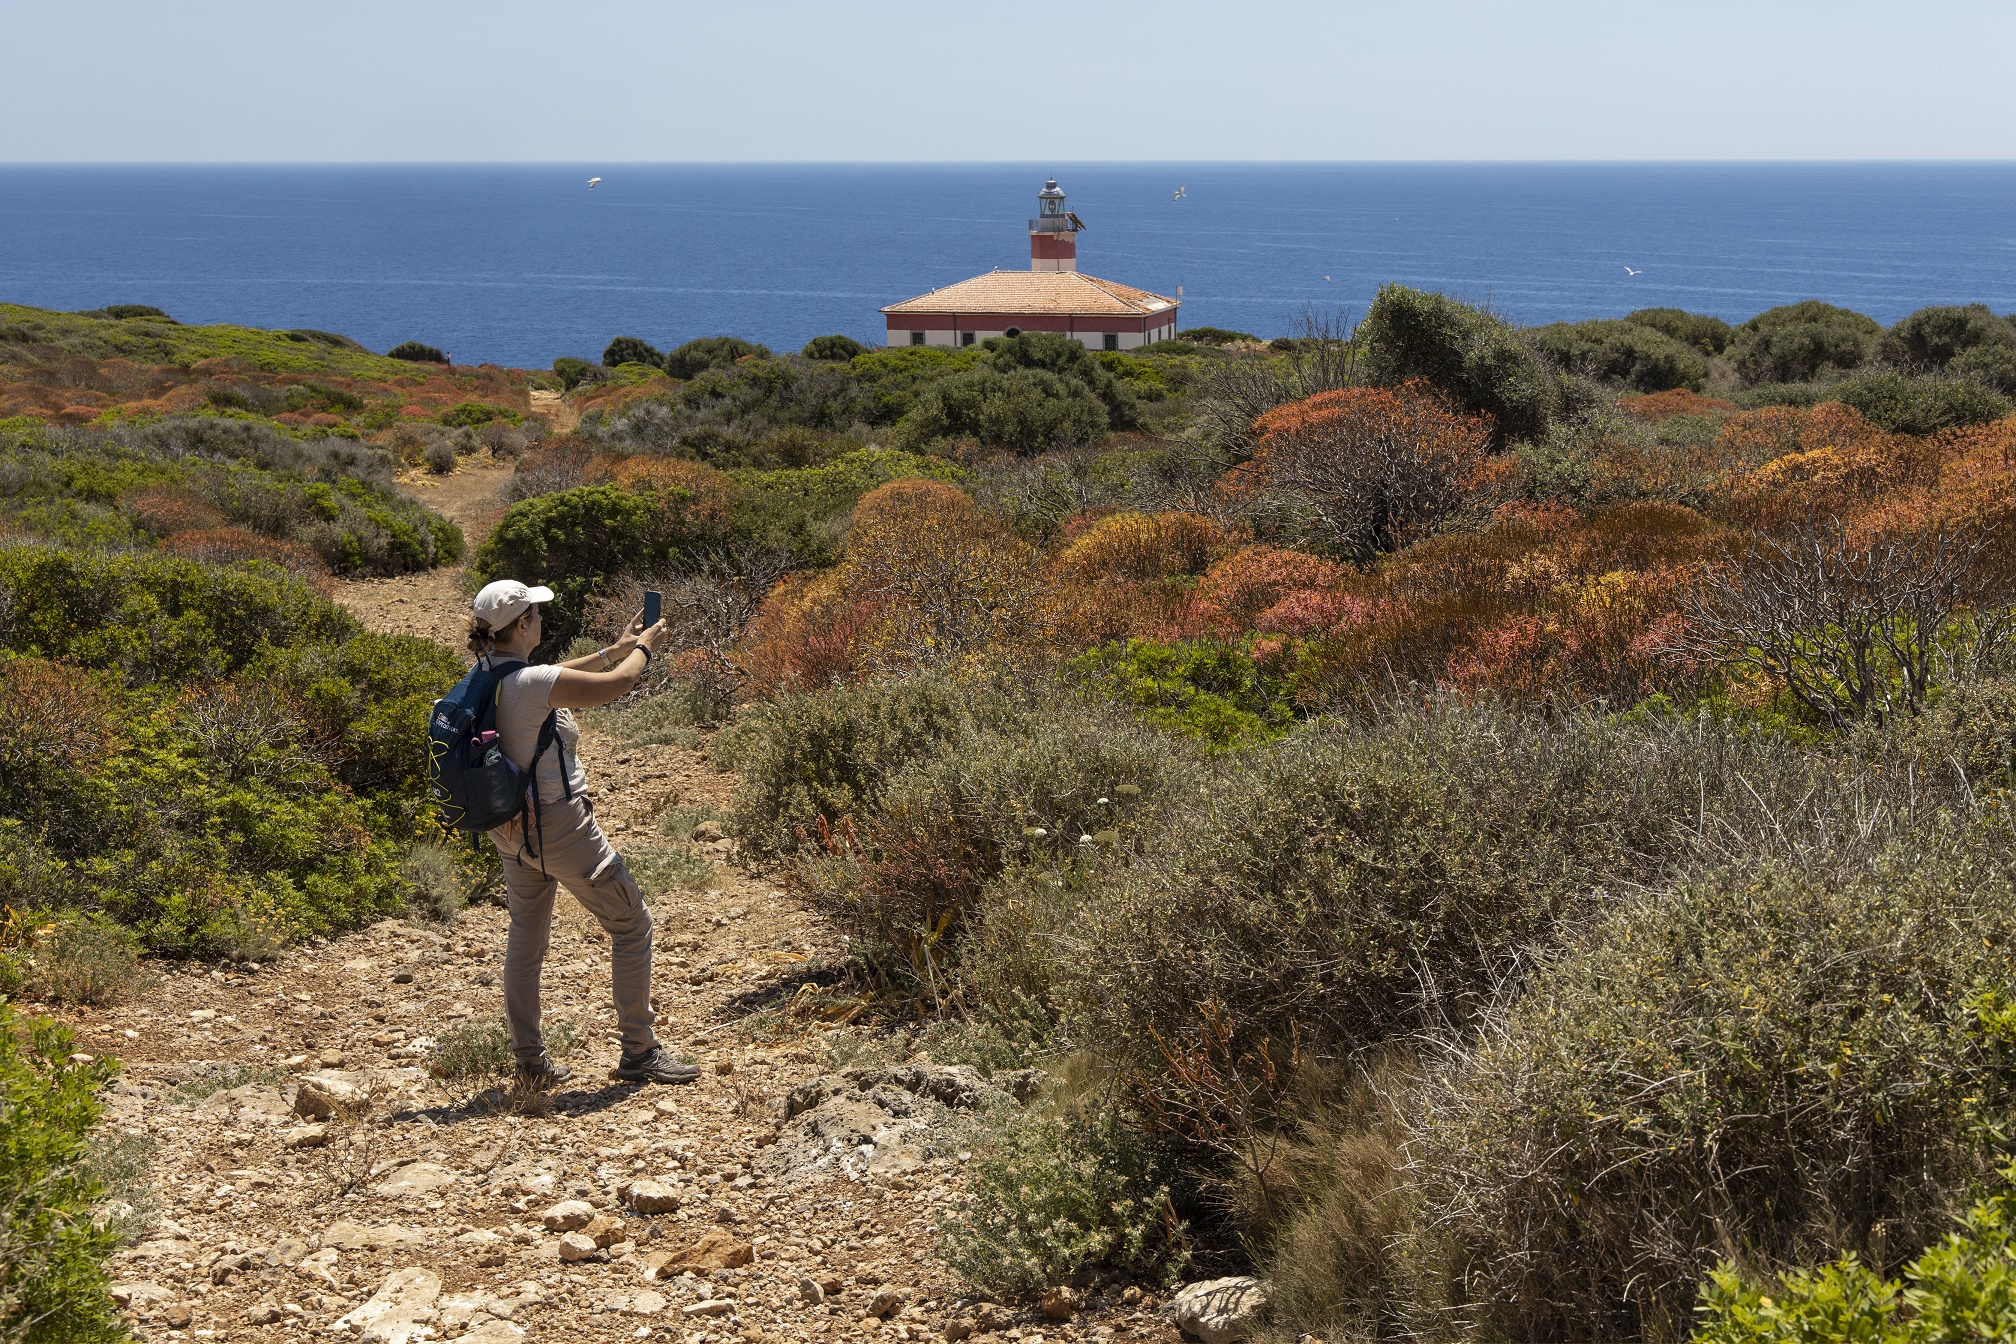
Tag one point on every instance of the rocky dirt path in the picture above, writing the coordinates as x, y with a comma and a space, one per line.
310, 1180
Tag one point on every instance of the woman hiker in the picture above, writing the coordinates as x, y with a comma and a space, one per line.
565, 844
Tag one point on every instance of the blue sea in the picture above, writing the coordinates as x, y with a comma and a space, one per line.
519, 264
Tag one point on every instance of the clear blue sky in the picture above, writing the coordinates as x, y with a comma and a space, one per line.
938, 80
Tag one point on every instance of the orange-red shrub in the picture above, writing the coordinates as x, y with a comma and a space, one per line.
1652, 407
1375, 466
167, 509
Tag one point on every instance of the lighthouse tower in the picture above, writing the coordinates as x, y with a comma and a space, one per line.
1053, 234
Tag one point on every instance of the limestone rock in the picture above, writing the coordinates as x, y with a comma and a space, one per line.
651, 1197
1219, 1311
493, 1332
716, 1250
886, 1303
416, 1178
400, 1311
328, 1093
713, 1306
139, 1293
575, 1246
604, 1229
810, 1292
263, 1313
346, 1236
567, 1215
305, 1136
648, 1303
1060, 1303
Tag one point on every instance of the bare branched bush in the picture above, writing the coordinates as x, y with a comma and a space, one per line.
1234, 392
1855, 626
244, 730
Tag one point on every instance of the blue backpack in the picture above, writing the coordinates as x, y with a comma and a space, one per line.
476, 786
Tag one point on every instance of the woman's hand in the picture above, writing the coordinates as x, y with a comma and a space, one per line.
629, 640
656, 638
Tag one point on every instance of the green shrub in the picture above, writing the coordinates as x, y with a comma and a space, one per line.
1320, 886
1780, 394
473, 413
1023, 411
629, 350
79, 960
126, 310
416, 353
1046, 785
578, 540
1472, 357
708, 352
1056, 1193
1639, 357
828, 753
1906, 405
1962, 1289
440, 891
1203, 689
1801, 341
479, 1051
805, 509
1216, 336
573, 372
1709, 335
54, 1288
1769, 1061
833, 348
1112, 378
1931, 338
1992, 365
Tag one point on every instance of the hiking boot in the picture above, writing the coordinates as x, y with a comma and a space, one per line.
655, 1065
544, 1073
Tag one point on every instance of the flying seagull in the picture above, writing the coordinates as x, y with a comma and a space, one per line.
594, 182
1180, 193
1629, 271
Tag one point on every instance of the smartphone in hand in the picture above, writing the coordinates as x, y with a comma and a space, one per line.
653, 599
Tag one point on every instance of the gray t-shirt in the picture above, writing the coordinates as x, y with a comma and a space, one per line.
524, 701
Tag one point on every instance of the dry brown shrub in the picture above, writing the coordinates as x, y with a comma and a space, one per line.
53, 714
229, 545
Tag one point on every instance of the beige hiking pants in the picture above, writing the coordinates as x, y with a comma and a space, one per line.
578, 855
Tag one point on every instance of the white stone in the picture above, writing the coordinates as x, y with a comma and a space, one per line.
400, 1311
574, 1246
648, 1303
1219, 1311
416, 1178
493, 1332
349, 1236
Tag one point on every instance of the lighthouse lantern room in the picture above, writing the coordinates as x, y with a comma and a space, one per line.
1052, 295
1053, 234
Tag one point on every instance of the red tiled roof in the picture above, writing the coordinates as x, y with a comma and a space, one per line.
1037, 292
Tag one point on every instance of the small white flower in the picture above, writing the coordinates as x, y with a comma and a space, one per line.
1084, 839
1104, 801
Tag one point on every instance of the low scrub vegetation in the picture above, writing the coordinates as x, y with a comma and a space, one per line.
288, 738
1494, 828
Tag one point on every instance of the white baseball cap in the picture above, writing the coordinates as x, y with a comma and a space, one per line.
504, 601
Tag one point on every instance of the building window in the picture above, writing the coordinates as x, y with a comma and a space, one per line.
1012, 331
916, 338
965, 338
1112, 340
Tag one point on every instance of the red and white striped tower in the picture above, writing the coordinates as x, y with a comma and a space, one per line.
1053, 234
